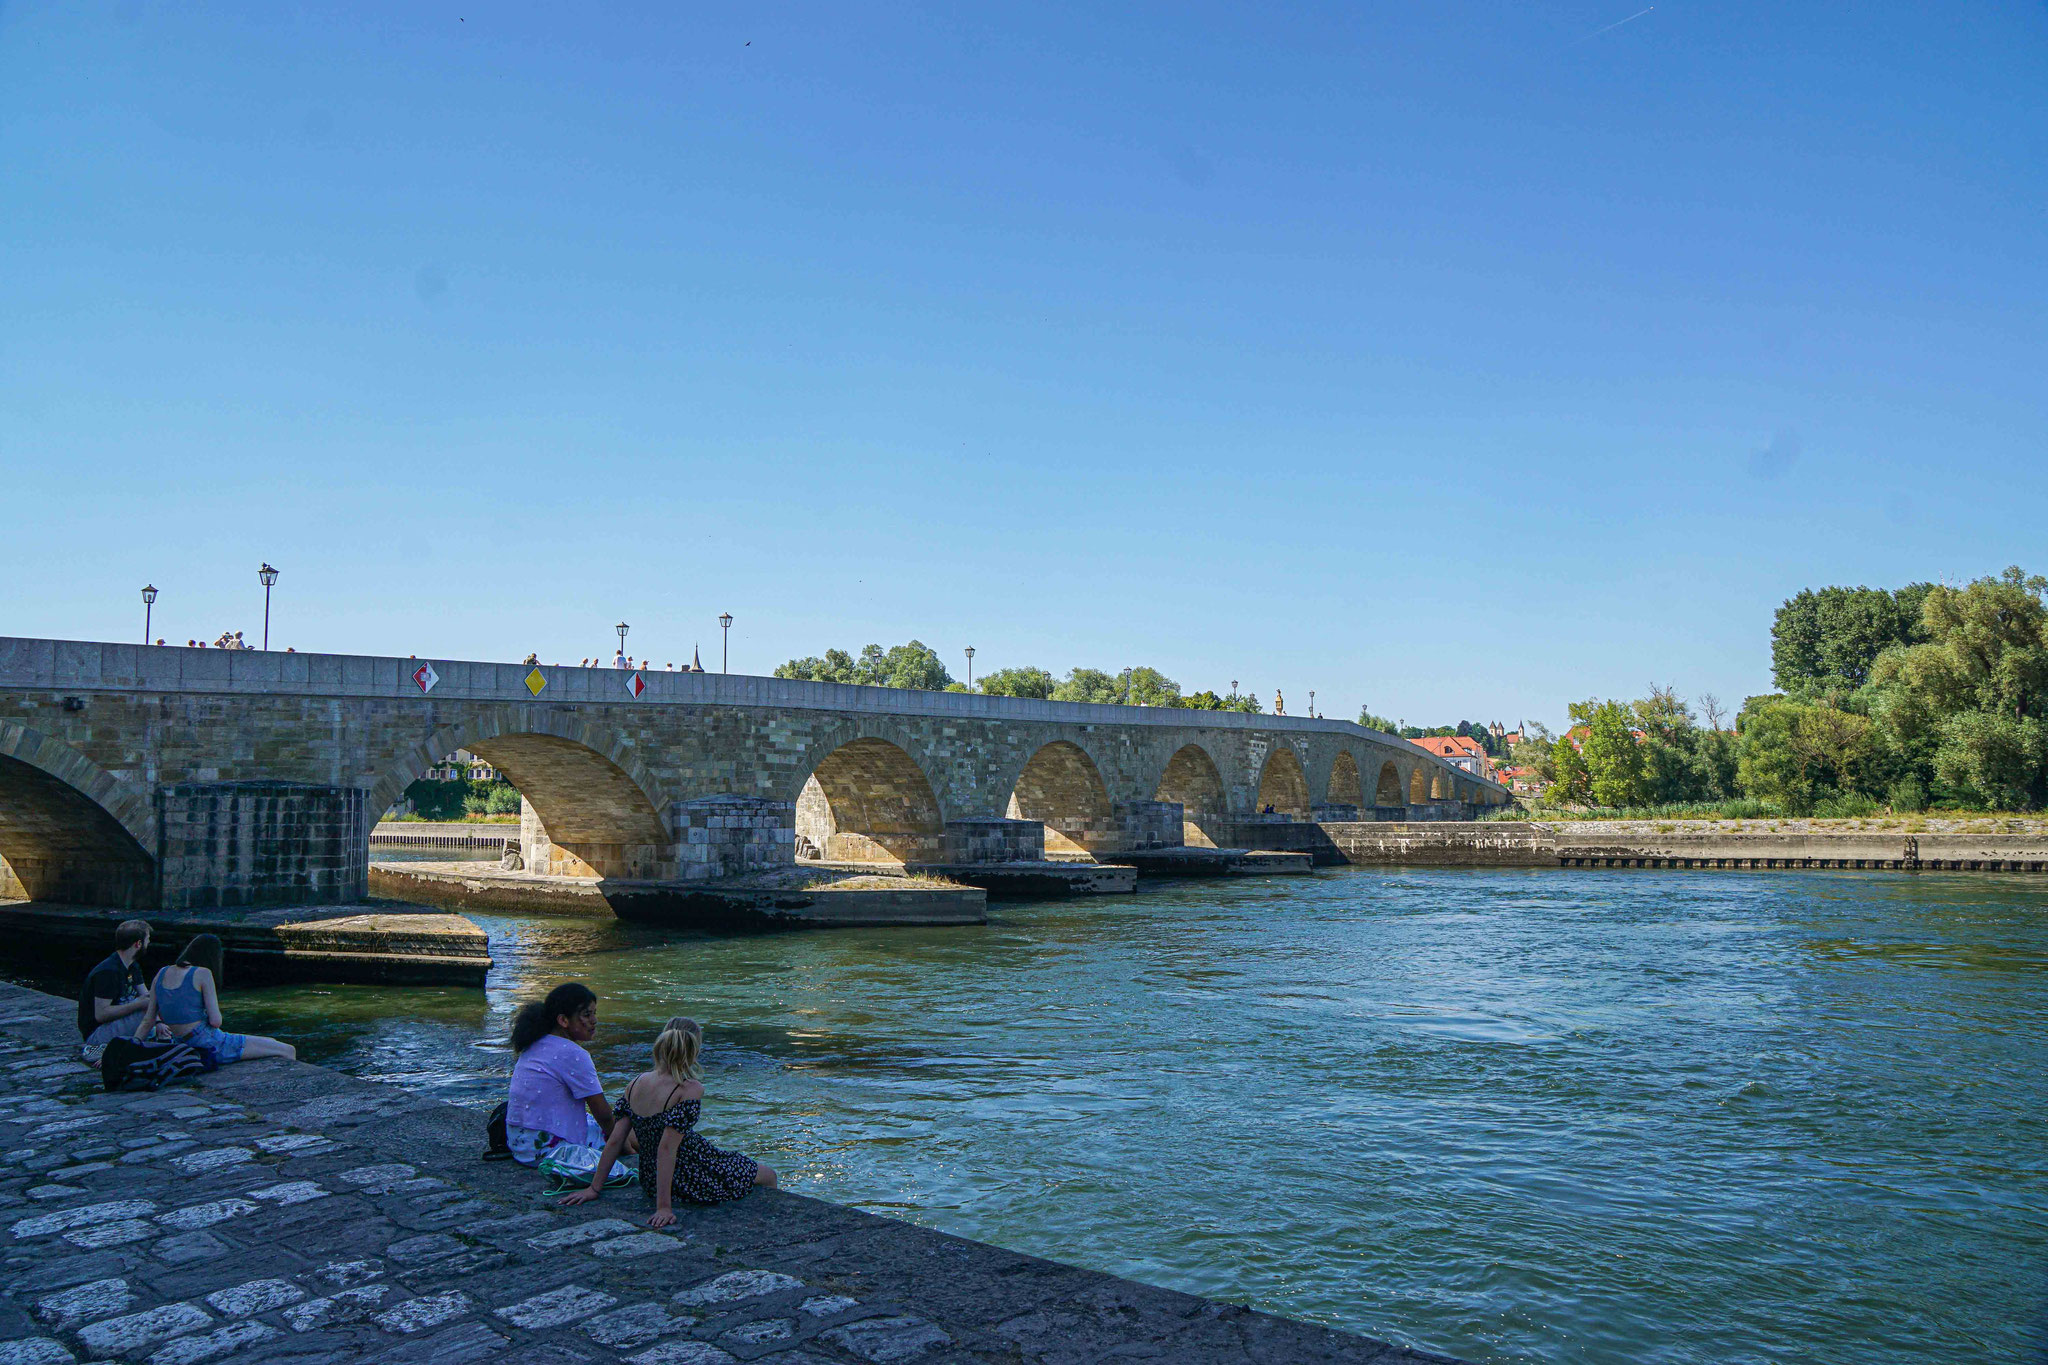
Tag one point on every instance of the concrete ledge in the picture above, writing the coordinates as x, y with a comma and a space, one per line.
1682, 844
1220, 862
341, 945
690, 906
288, 1182
1035, 880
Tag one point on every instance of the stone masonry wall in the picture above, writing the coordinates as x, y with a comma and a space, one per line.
994, 841
262, 843
732, 836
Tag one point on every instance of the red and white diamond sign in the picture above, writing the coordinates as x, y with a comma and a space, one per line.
426, 677
635, 684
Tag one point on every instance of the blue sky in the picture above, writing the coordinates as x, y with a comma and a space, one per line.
1462, 359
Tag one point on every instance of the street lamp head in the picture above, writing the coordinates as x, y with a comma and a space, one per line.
149, 594
267, 575
622, 628
725, 620
970, 651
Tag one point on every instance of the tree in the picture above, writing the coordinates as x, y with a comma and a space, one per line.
1831, 638
1799, 753
1570, 782
836, 667
1150, 687
1373, 722
914, 665
1614, 760
1089, 684
1024, 681
1966, 708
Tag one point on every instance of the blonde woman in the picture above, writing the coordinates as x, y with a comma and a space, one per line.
660, 1109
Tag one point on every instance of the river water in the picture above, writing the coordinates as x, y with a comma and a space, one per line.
1597, 1116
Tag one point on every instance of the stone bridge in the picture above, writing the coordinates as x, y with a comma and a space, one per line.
174, 778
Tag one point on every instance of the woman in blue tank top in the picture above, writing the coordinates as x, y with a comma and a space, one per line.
184, 999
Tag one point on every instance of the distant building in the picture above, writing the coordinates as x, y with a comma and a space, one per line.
1460, 751
462, 765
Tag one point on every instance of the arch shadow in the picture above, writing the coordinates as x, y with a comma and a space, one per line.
68, 830
1192, 778
1387, 790
1345, 787
1061, 788
1283, 784
868, 801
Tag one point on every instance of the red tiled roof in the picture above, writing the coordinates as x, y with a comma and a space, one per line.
1447, 746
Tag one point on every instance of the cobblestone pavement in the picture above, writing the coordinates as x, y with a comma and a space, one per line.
280, 1212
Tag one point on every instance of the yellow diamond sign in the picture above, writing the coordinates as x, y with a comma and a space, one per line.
535, 681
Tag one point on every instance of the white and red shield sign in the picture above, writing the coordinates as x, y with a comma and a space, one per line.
635, 684
425, 677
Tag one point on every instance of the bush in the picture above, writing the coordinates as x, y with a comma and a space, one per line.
1846, 807
1908, 795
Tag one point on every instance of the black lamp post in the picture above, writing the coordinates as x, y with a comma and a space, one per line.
970, 668
269, 577
725, 642
148, 606
622, 628
1311, 703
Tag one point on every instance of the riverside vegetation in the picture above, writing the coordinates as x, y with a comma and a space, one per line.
1923, 698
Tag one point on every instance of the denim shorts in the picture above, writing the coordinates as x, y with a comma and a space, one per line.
225, 1047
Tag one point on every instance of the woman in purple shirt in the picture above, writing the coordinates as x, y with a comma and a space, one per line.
556, 1097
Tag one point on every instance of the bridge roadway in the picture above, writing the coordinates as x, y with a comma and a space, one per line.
167, 778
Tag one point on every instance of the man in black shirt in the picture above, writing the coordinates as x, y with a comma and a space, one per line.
115, 996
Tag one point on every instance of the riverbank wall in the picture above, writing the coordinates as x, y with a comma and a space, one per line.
279, 1211
1730, 844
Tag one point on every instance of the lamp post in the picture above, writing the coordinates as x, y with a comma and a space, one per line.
970, 668
622, 628
268, 576
725, 642
148, 606
1311, 703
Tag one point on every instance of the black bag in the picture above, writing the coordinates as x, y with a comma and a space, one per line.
496, 1146
129, 1065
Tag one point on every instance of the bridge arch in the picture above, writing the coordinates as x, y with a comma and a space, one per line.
1387, 790
1345, 788
69, 831
1192, 778
868, 801
599, 812
1418, 785
1439, 785
1283, 784
1061, 788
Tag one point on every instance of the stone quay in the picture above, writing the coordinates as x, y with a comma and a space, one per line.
276, 1211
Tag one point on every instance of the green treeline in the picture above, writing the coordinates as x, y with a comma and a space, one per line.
917, 666
1924, 697
456, 799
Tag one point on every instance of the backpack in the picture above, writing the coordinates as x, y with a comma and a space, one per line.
496, 1146
129, 1065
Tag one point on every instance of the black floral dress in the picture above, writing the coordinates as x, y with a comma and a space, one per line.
704, 1175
